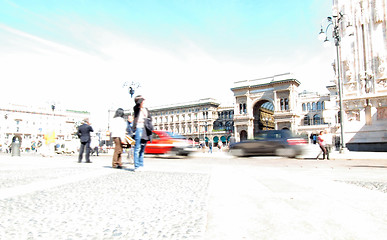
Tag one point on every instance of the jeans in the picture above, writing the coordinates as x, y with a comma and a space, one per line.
139, 148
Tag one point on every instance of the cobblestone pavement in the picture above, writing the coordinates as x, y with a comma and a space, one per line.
110, 204
209, 196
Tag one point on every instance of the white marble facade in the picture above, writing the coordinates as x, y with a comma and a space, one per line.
363, 62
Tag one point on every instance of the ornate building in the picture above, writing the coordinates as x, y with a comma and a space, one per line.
363, 70
30, 123
201, 121
318, 112
275, 103
265, 103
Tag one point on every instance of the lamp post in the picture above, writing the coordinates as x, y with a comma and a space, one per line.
205, 130
335, 22
131, 87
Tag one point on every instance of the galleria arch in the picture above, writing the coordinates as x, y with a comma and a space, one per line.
263, 112
265, 103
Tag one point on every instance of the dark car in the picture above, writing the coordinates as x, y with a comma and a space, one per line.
272, 142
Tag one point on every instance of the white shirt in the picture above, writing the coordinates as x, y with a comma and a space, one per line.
141, 118
118, 127
328, 138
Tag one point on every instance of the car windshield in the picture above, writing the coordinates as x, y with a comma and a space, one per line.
175, 135
273, 135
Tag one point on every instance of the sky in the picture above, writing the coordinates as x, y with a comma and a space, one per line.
82, 54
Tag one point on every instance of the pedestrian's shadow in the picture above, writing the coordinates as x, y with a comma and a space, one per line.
122, 169
368, 166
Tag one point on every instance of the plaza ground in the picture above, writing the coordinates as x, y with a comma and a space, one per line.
207, 196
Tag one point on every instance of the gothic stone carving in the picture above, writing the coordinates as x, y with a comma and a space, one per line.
382, 113
378, 11
353, 115
381, 80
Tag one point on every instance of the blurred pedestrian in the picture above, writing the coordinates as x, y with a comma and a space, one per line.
220, 145
84, 135
232, 139
49, 147
142, 127
322, 143
314, 137
210, 145
118, 129
94, 145
129, 132
328, 142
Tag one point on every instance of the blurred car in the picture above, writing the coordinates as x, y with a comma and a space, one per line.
271, 142
164, 142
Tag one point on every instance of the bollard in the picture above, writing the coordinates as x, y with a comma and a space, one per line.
16, 148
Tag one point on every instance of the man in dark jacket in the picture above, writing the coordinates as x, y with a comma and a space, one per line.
84, 135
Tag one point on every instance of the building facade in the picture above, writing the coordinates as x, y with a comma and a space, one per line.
30, 123
362, 67
265, 103
319, 112
275, 103
201, 121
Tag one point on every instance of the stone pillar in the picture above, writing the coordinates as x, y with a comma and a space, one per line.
368, 115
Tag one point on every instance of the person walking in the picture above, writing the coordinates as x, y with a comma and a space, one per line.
322, 144
328, 142
94, 145
142, 127
118, 129
232, 139
84, 135
210, 145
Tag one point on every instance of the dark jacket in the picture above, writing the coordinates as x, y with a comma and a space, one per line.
84, 132
148, 126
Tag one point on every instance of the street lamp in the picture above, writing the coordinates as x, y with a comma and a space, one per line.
205, 130
335, 22
131, 87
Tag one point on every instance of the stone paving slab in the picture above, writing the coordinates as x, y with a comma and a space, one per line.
271, 203
98, 202
141, 206
211, 197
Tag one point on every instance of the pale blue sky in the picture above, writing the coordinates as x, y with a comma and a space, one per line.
177, 50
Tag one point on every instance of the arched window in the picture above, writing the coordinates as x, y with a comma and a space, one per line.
314, 106
316, 119
306, 120
303, 107
323, 105
308, 106
286, 104
318, 106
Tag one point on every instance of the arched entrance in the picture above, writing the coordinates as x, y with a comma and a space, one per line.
243, 135
263, 112
215, 141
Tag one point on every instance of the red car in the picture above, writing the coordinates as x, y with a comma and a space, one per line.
165, 142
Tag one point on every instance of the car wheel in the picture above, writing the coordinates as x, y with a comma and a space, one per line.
285, 152
237, 152
171, 154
